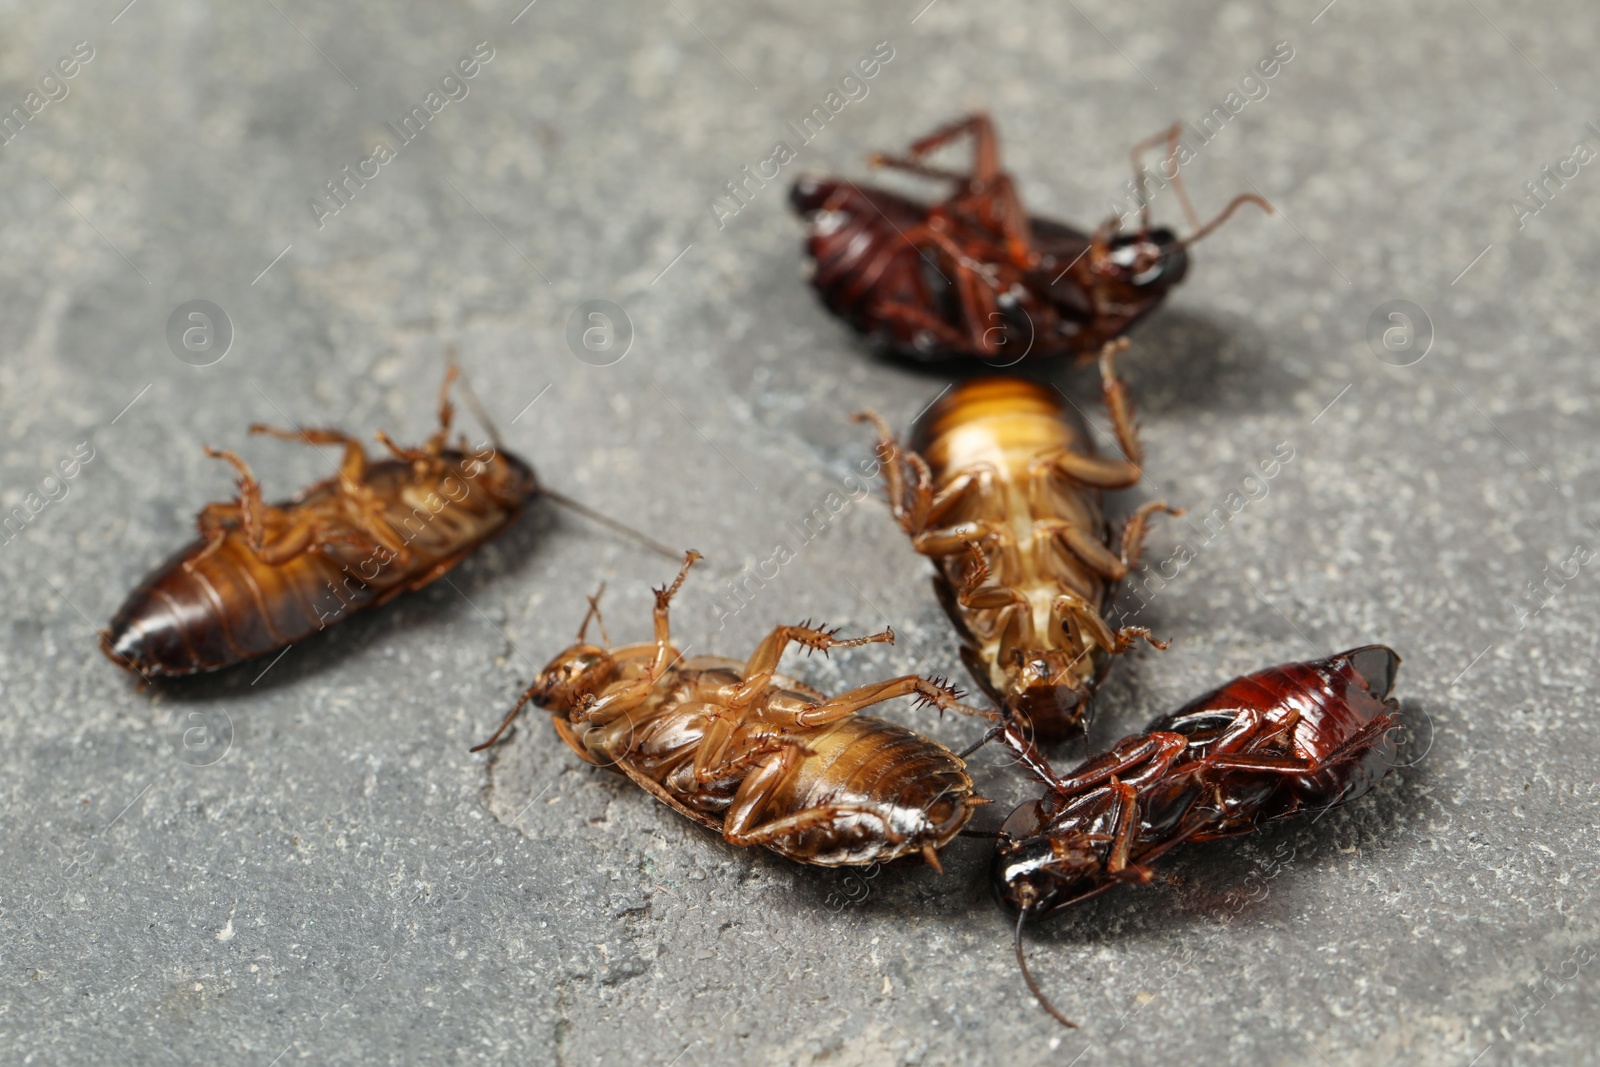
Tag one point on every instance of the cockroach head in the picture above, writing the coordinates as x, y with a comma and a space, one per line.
1045, 691
1147, 262
579, 672
1037, 874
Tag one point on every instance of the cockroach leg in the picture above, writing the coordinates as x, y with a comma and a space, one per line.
1114, 393
435, 445
1171, 135
1137, 526
737, 833
931, 691
1086, 546
1129, 636
594, 614
352, 465
759, 668
985, 145
663, 624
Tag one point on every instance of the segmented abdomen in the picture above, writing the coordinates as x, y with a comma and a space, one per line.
1007, 425
860, 254
917, 790
231, 606
225, 609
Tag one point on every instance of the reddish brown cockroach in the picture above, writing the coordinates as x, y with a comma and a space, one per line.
975, 275
1001, 489
1286, 740
262, 577
755, 755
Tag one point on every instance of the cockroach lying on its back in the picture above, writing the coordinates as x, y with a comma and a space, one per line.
1271, 745
1001, 489
264, 576
755, 755
973, 274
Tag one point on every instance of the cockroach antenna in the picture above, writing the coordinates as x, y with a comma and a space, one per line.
470, 395
1027, 976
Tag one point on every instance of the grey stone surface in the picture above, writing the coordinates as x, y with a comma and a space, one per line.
309, 866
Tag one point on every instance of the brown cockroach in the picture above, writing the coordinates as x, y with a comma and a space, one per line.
757, 756
1001, 489
1283, 741
263, 576
973, 274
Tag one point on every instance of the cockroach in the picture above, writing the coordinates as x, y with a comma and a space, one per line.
261, 577
757, 756
1001, 489
973, 274
1280, 742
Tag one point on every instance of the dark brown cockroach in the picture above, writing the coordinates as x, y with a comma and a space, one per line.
755, 755
975, 275
1291, 739
1001, 489
264, 576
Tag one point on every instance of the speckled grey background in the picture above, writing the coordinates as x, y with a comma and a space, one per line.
307, 865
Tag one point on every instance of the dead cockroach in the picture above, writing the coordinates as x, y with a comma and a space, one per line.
262, 577
975, 275
1001, 489
1274, 744
755, 755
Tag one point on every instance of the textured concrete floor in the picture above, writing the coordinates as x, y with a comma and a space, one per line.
308, 865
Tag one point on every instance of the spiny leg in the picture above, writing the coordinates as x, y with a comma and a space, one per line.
977, 595
1137, 526
1115, 393
763, 662
721, 755
253, 510
934, 692
893, 459
365, 510
352, 465
663, 625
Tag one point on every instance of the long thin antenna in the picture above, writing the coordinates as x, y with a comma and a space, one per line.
1027, 976
608, 522
505, 724
1233, 205
470, 395
479, 412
